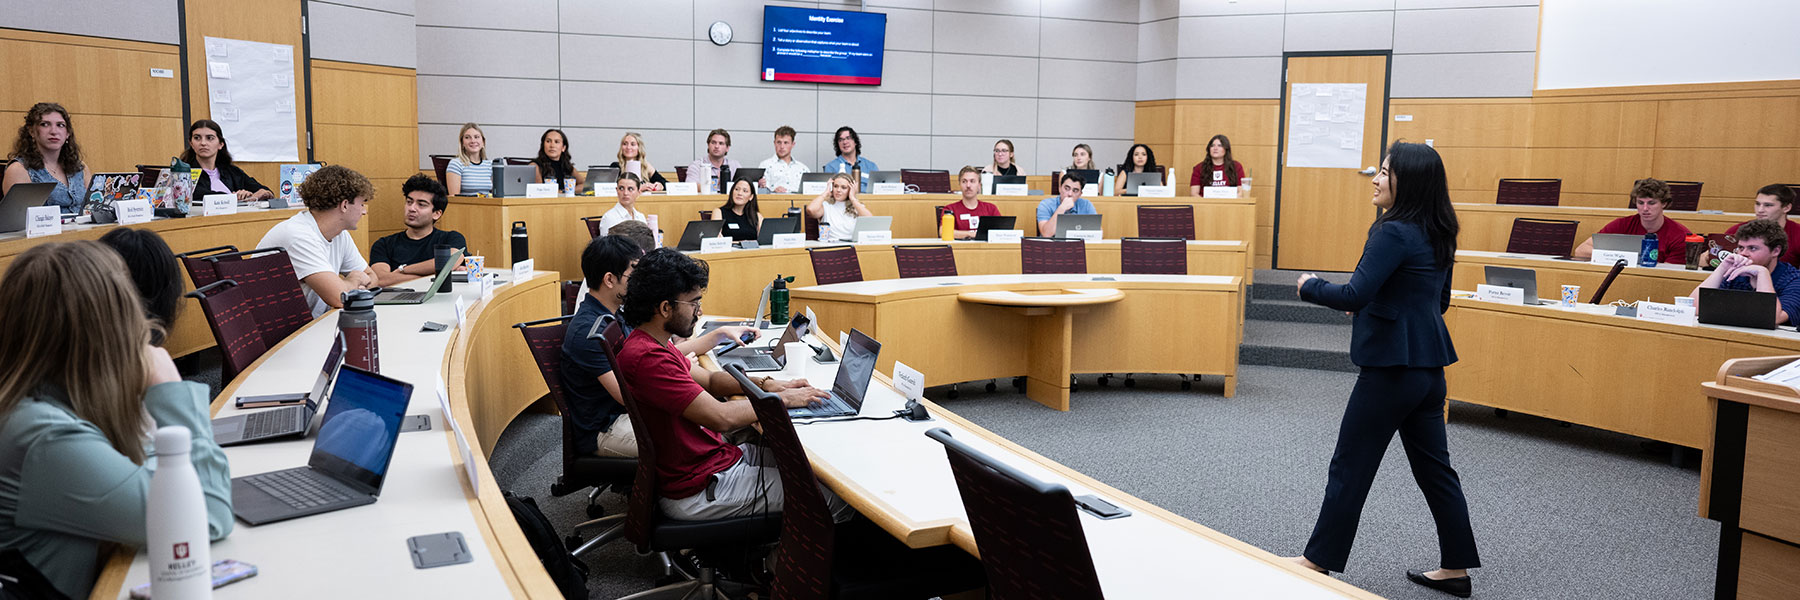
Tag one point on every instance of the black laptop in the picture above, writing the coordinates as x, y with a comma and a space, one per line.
750, 174
773, 226
1737, 308
854, 373
772, 357
696, 231
349, 460
283, 421
987, 224
19, 198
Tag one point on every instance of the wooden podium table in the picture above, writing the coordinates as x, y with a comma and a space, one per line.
1750, 482
1052, 314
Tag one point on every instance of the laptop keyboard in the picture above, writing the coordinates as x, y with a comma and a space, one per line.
405, 297
267, 423
298, 490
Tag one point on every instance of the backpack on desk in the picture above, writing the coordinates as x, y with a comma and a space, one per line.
569, 574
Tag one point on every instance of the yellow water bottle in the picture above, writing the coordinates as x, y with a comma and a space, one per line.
947, 226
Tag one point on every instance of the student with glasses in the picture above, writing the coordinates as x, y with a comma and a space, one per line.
849, 149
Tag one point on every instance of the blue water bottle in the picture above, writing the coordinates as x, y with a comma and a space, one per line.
1647, 255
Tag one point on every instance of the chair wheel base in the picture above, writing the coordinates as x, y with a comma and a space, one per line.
1187, 385
1129, 382
1105, 381
571, 542
595, 511
991, 387
1501, 412
953, 393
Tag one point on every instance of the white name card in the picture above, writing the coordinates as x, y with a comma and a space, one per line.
1608, 257
1211, 191
874, 237
1503, 295
522, 270
891, 187
685, 188
1673, 314
219, 204
541, 190
814, 319
43, 220
1156, 191
133, 212
1091, 235
1006, 236
1092, 189
462, 443
715, 244
606, 189
908, 381
462, 308
814, 187
1011, 189
789, 240
489, 281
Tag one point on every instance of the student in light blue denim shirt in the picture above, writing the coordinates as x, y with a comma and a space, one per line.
46, 152
848, 146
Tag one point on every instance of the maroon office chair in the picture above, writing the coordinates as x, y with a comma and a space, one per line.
1153, 256
1795, 207
1683, 195
593, 225
267, 276
927, 181
229, 314
1042, 255
1541, 236
811, 225
1166, 221
571, 295
835, 264
517, 160
925, 261
199, 271
1535, 192
1031, 539
440, 162
681, 173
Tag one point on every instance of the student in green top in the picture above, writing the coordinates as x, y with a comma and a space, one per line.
82, 389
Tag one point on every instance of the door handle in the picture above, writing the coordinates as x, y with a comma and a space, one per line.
1369, 172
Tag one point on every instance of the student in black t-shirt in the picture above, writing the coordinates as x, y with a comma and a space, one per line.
409, 254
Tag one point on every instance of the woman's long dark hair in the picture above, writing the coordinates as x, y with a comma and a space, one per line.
220, 161
1149, 160
1422, 197
1231, 173
750, 209
25, 148
565, 163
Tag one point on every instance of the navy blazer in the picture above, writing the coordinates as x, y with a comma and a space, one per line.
1399, 296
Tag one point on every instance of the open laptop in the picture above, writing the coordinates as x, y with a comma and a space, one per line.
1512, 277
1619, 242
510, 180
870, 224
283, 421
1134, 180
1737, 308
988, 224
772, 226
696, 231
1068, 223
397, 296
21, 197
816, 176
750, 174
884, 177
1088, 176
599, 175
349, 461
1005, 179
853, 376
772, 357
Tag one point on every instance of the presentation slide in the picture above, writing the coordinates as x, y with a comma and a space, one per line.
822, 46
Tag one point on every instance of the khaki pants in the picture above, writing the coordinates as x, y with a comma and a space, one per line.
618, 441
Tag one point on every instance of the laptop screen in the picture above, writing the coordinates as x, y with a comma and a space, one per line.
328, 372
356, 442
857, 368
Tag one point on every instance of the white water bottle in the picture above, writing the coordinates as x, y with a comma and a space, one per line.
177, 539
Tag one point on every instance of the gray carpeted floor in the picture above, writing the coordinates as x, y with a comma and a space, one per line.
1560, 512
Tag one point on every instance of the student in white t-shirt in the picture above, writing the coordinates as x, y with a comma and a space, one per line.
318, 239
837, 210
626, 210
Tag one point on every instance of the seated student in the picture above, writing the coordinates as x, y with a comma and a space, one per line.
554, 163
1650, 196
1218, 170
471, 172
781, 172
638, 232
1756, 266
633, 158
412, 253
1003, 160
155, 272
706, 170
46, 152
207, 151
970, 209
588, 380
1069, 203
74, 462
318, 238
742, 218
626, 209
703, 477
849, 149
1139, 159
1082, 157
837, 209
1772, 204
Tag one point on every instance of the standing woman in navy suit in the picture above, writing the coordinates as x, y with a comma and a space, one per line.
1399, 293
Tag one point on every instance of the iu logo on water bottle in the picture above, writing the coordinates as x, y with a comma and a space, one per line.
181, 550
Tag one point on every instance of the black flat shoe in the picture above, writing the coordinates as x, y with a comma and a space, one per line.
1456, 586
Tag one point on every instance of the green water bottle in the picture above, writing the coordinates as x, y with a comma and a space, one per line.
778, 302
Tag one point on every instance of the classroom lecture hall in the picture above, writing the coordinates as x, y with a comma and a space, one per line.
900, 299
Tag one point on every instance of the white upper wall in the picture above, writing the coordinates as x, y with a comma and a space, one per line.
157, 21
371, 32
1607, 43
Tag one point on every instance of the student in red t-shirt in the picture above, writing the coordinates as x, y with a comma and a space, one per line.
1772, 204
1650, 196
1218, 169
703, 478
970, 208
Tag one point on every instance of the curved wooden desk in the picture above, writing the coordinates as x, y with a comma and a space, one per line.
1658, 284
361, 552
1488, 226
243, 230
933, 324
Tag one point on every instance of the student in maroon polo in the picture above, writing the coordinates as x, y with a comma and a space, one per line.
1650, 196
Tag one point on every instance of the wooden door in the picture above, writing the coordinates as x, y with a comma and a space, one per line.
1324, 213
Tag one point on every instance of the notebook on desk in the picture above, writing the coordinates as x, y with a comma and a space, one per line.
349, 460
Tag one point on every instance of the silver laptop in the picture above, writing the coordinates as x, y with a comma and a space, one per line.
510, 180
870, 224
398, 296
884, 177
1133, 180
771, 357
600, 175
350, 458
1068, 223
284, 421
852, 383
1524, 279
1618, 242
19, 198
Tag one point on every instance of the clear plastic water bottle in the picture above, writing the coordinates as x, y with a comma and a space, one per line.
1647, 254
179, 547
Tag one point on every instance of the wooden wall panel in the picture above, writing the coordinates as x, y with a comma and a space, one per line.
366, 118
1463, 123
1155, 123
276, 22
1583, 124
122, 115
1769, 122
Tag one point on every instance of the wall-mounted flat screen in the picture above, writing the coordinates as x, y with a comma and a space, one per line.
822, 46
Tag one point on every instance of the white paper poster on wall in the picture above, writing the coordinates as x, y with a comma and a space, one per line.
1325, 125
253, 98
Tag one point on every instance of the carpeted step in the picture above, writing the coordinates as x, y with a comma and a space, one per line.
1293, 310
1301, 345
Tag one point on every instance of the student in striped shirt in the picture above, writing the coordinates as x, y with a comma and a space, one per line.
471, 172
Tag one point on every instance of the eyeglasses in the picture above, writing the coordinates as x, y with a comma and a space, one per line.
696, 303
